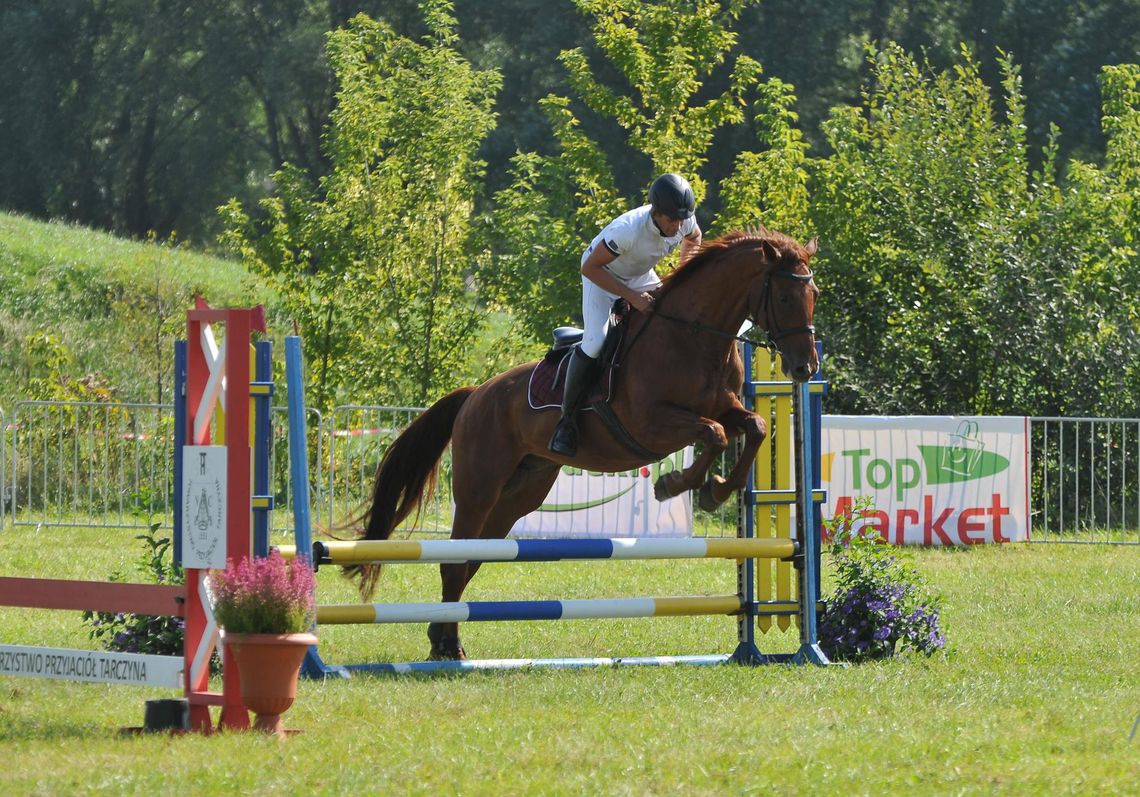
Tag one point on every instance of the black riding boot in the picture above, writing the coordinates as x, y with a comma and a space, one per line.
578, 373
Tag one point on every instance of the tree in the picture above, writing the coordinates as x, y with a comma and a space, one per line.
1097, 218
957, 279
113, 114
373, 260
665, 52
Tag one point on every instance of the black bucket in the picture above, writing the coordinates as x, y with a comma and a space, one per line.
170, 714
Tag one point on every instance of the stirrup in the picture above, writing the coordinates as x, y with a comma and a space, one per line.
564, 441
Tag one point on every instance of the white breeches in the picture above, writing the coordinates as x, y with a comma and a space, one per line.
596, 304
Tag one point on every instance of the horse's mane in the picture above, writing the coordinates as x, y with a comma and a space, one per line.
713, 249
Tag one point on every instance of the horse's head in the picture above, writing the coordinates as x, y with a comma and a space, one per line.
757, 274
785, 304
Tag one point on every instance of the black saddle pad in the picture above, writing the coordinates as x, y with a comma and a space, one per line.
548, 379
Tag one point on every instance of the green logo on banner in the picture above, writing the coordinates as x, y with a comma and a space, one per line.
964, 459
585, 504
667, 465
949, 464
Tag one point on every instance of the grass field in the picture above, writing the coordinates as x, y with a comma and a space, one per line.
1038, 694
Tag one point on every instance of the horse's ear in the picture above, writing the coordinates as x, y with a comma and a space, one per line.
812, 246
771, 253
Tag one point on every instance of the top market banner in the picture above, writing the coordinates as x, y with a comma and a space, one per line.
586, 504
933, 480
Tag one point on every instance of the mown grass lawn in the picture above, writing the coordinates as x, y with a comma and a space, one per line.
1038, 694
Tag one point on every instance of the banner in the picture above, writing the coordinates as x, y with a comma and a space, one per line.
933, 480
586, 504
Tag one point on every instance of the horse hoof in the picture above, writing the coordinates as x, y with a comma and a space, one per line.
443, 648
447, 649
447, 652
706, 500
663, 489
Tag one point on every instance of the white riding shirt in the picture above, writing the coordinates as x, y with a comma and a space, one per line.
638, 245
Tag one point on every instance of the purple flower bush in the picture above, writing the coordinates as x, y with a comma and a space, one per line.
264, 596
881, 606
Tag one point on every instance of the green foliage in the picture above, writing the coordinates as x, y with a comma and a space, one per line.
665, 51
770, 187
136, 115
139, 633
666, 54
49, 367
955, 279
964, 267
542, 222
373, 260
119, 119
85, 315
1098, 215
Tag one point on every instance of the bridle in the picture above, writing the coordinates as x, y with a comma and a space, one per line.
772, 329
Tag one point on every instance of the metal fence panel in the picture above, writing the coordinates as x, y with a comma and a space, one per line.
1085, 480
90, 463
110, 465
279, 477
358, 436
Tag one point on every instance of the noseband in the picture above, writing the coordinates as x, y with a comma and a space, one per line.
772, 328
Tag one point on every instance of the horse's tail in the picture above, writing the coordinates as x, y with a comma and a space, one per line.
406, 477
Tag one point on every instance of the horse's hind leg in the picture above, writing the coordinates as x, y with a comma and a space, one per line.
444, 637
523, 493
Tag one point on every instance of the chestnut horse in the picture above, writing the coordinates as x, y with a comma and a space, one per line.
679, 383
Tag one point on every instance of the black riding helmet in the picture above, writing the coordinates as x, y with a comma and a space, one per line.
672, 195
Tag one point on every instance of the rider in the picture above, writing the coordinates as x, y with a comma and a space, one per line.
620, 262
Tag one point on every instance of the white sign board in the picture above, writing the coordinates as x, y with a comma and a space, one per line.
586, 504
934, 480
203, 506
98, 666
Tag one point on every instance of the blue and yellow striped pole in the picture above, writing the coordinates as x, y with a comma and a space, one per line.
511, 550
476, 611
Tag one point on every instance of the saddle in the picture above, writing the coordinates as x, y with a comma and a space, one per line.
548, 379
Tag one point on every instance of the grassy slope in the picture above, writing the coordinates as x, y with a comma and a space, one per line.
113, 304
1037, 697
116, 306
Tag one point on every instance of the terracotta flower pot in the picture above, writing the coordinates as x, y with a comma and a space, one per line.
268, 666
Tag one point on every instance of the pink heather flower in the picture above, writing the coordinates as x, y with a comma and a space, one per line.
264, 596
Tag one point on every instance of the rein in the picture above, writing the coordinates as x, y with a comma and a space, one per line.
769, 318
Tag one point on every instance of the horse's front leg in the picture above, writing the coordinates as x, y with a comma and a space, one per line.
701, 429
738, 420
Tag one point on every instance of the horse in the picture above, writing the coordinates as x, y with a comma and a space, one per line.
678, 384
